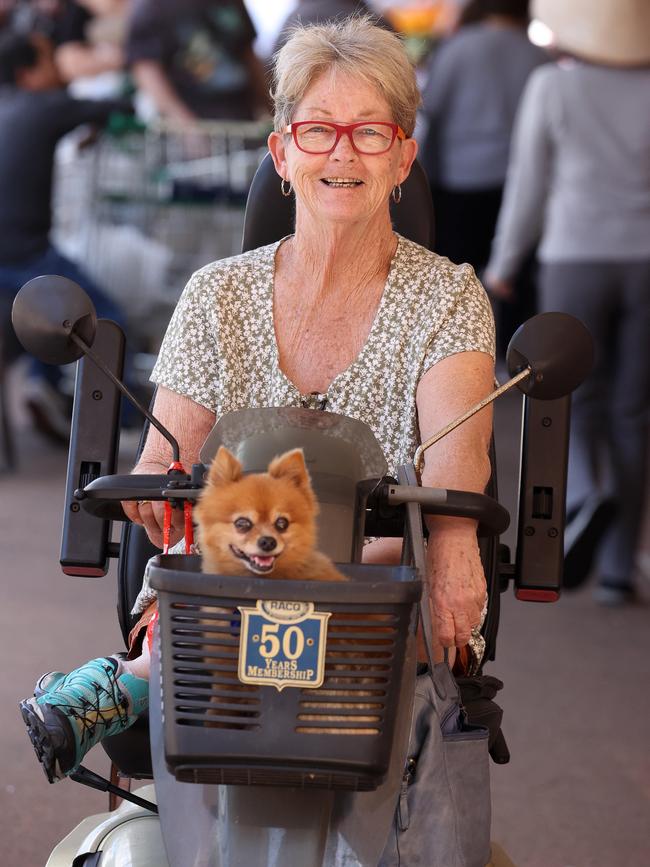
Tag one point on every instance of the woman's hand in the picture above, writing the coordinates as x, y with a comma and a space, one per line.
190, 423
150, 514
501, 290
456, 581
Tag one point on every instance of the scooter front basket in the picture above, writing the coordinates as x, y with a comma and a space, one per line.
246, 697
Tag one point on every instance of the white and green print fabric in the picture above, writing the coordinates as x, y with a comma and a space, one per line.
220, 348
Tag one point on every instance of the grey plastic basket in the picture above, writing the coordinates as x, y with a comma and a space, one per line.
336, 736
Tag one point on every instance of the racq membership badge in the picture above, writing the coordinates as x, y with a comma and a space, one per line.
282, 644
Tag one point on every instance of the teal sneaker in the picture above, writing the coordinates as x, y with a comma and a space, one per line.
70, 713
47, 682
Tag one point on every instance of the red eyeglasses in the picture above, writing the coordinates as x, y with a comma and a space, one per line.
322, 137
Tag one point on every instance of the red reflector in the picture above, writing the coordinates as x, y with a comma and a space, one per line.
84, 571
526, 595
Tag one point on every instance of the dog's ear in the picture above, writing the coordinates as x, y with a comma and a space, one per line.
291, 466
224, 468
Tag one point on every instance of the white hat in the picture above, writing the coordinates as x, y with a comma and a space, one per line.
613, 32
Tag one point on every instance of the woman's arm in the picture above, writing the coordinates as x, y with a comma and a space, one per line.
522, 213
190, 423
459, 461
442, 72
79, 59
150, 76
259, 84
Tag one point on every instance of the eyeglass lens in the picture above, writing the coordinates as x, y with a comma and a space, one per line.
371, 138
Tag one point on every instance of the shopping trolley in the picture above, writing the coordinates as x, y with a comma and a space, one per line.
158, 202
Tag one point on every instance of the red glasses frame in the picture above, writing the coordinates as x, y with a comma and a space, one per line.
346, 129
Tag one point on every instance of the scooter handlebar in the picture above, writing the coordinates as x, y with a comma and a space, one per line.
102, 498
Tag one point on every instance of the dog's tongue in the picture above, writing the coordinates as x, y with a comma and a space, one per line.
262, 561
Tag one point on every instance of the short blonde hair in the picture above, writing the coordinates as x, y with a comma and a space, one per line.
353, 45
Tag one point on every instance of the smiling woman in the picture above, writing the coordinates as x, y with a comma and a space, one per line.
375, 326
343, 315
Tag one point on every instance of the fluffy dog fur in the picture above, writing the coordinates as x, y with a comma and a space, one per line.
261, 523
265, 524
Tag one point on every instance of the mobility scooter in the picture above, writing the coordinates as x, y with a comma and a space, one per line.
290, 721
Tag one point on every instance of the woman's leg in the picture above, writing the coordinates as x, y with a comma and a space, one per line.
54, 262
465, 224
628, 426
106, 307
70, 713
587, 292
609, 416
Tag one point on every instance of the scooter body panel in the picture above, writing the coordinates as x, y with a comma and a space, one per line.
127, 837
264, 826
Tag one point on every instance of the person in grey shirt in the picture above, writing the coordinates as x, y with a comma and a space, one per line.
579, 180
470, 100
475, 80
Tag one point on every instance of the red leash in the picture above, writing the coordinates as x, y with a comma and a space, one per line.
177, 467
174, 467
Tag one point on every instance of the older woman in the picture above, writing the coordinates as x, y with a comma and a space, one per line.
377, 327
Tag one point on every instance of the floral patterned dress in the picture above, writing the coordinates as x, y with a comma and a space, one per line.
220, 348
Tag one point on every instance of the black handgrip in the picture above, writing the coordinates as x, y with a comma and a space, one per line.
102, 497
107, 510
499, 750
492, 518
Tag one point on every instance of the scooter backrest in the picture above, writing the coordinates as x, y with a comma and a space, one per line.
339, 453
270, 215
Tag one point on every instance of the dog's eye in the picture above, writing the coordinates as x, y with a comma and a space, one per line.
243, 525
281, 525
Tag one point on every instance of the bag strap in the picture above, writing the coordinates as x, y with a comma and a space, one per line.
413, 551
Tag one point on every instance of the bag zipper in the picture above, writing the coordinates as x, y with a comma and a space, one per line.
403, 818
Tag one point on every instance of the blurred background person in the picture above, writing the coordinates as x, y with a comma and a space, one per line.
6, 7
70, 24
194, 59
474, 83
319, 11
78, 53
35, 112
579, 179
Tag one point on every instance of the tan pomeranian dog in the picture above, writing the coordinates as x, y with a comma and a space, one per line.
264, 523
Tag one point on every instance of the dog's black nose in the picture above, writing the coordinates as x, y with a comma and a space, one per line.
266, 543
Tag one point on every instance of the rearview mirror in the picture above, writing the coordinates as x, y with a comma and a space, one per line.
558, 349
46, 311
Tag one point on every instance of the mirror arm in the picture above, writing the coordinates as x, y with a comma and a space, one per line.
418, 457
125, 391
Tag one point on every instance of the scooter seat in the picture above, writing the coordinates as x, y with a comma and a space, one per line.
130, 750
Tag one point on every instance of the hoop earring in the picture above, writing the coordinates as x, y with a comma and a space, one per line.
396, 195
285, 192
